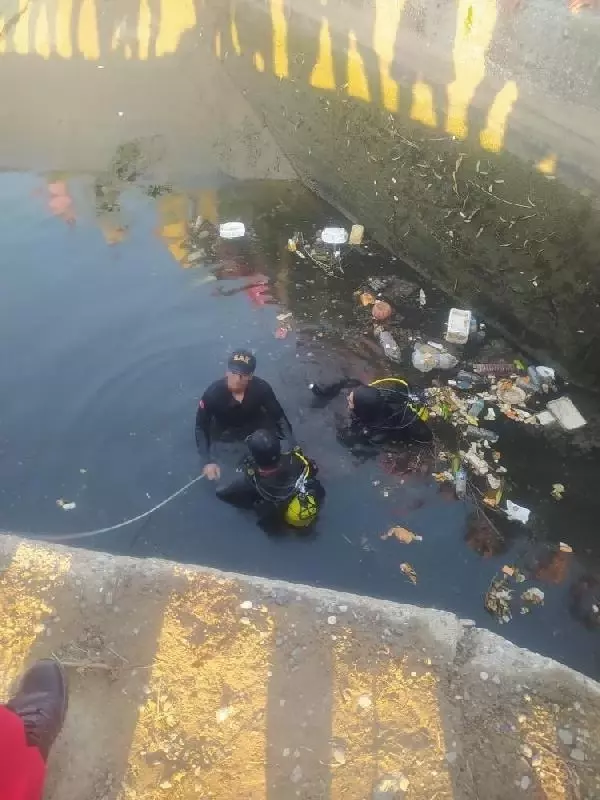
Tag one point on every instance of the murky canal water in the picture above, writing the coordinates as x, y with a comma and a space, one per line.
108, 335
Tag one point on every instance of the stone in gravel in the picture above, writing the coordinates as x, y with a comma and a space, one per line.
332, 620
526, 751
246, 604
484, 676
578, 754
525, 782
343, 609
296, 775
389, 786
364, 701
339, 755
565, 736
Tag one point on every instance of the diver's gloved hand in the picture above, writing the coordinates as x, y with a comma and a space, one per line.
331, 390
212, 472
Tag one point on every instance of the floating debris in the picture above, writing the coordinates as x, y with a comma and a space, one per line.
409, 571
357, 233
566, 414
534, 596
402, 535
232, 230
517, 513
335, 236
65, 505
497, 599
458, 326
558, 491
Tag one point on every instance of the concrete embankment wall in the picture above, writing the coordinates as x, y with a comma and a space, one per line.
188, 682
465, 134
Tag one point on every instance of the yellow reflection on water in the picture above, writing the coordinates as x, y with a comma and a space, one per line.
492, 136
422, 109
358, 85
280, 46
322, 76
385, 30
475, 23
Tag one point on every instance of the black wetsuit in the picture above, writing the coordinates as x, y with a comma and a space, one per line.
269, 494
397, 421
221, 416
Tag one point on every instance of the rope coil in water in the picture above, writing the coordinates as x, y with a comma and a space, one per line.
66, 537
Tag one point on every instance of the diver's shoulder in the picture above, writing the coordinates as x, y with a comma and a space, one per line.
261, 384
215, 388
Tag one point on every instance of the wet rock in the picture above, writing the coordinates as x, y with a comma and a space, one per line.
577, 754
525, 782
451, 757
339, 755
526, 751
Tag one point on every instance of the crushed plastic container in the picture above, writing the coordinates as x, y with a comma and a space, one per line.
459, 326
425, 358
566, 414
232, 230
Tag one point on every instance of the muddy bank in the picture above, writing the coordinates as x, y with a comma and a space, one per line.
190, 682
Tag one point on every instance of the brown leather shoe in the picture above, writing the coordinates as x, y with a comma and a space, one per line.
41, 703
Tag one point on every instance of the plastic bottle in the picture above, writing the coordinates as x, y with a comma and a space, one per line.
425, 358
460, 483
476, 408
389, 344
481, 434
501, 368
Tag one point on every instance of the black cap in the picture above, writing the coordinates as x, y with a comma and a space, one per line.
264, 447
242, 362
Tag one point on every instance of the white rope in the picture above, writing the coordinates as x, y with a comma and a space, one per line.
88, 534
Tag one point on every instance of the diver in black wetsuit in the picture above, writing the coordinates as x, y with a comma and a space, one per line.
234, 407
281, 488
383, 412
